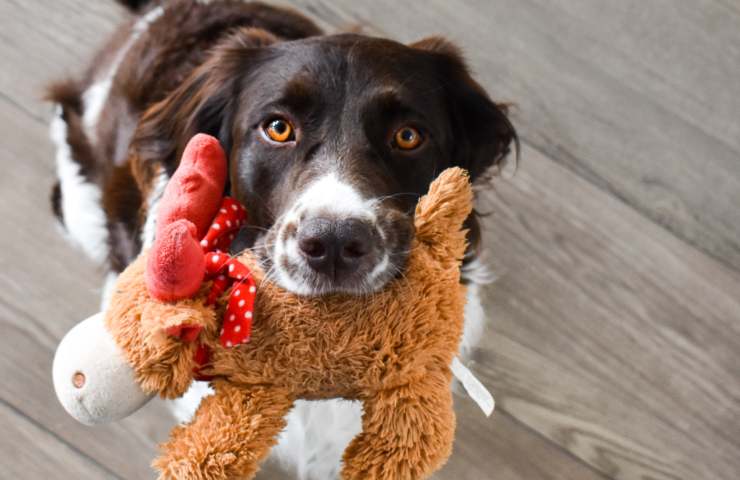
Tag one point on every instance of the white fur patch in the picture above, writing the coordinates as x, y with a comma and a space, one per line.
107, 293
95, 97
379, 269
477, 274
152, 208
289, 247
477, 271
331, 194
93, 101
184, 408
475, 321
84, 218
313, 441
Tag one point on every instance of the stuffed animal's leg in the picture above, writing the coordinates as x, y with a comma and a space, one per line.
407, 432
231, 433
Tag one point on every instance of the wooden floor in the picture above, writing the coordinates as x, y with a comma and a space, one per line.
614, 343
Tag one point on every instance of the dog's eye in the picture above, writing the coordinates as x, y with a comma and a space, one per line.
407, 138
279, 130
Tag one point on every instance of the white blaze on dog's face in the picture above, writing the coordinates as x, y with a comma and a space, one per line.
331, 240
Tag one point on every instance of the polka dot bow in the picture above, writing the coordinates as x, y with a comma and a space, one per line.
226, 271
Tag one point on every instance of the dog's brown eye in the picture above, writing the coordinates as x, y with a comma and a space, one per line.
407, 138
279, 130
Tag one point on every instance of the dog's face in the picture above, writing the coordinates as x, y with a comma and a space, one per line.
331, 142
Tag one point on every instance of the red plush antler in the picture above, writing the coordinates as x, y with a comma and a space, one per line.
176, 266
195, 228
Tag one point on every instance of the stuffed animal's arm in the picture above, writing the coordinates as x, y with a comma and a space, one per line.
407, 432
232, 432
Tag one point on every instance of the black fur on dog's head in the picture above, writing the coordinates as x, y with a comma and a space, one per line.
318, 132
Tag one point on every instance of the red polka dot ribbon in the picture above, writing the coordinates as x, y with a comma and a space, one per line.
227, 272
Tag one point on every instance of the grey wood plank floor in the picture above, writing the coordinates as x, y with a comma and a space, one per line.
613, 348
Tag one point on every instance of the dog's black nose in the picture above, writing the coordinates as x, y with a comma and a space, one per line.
332, 245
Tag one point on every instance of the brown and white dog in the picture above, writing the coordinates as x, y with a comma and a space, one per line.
331, 139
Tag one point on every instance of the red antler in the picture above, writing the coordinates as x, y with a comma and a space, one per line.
176, 266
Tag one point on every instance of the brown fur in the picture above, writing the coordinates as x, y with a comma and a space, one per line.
391, 350
126, 154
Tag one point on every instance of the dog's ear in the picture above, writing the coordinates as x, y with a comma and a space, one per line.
482, 131
204, 103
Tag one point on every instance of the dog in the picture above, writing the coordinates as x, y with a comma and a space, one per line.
331, 139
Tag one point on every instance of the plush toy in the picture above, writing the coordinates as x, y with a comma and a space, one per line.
185, 310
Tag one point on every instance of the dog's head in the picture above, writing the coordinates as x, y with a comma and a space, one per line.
331, 141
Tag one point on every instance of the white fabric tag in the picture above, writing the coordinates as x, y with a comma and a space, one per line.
475, 389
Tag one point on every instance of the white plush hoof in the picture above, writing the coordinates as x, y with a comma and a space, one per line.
93, 381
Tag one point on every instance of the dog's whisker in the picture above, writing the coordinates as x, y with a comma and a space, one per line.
255, 227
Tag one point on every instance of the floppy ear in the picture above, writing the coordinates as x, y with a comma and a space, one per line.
204, 103
482, 132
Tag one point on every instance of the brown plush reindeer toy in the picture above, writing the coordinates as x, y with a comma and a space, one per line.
173, 318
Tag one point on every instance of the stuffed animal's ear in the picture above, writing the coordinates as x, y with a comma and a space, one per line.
183, 322
482, 130
441, 212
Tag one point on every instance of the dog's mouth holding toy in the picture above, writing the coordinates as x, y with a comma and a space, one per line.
321, 252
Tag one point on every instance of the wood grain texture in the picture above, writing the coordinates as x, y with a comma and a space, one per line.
47, 40
24, 443
502, 448
610, 336
614, 346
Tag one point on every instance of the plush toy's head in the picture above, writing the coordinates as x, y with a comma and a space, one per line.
358, 347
